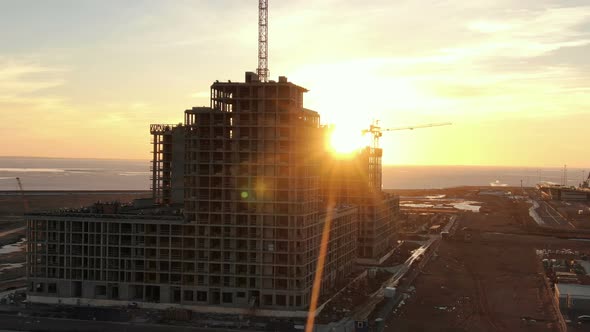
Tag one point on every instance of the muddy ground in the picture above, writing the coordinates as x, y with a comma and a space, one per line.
493, 282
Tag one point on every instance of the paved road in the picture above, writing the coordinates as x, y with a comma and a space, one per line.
547, 213
408, 271
551, 217
39, 324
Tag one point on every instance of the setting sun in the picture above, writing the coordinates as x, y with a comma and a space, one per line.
345, 141
283, 169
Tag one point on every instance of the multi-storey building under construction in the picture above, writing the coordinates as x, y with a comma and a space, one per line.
242, 192
356, 180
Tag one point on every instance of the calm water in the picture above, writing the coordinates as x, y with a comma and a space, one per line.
74, 174
100, 174
418, 177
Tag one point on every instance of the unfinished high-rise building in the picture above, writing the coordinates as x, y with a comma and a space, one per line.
241, 197
356, 180
167, 169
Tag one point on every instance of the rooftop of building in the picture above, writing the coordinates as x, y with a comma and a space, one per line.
252, 79
163, 127
562, 187
140, 209
144, 209
573, 290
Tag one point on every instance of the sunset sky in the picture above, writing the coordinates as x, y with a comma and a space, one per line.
86, 78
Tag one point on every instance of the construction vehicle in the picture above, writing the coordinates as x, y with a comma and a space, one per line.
376, 130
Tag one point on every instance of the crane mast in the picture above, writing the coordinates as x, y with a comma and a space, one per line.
262, 70
22, 193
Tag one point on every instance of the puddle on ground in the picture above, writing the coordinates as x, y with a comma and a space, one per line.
13, 247
10, 266
467, 206
418, 205
436, 196
459, 205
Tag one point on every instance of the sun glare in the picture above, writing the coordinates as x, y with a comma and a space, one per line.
345, 142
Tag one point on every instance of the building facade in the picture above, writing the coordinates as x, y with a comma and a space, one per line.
356, 180
163, 259
237, 220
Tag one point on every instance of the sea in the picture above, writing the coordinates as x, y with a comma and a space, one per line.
112, 174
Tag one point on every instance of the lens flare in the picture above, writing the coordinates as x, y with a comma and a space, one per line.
345, 141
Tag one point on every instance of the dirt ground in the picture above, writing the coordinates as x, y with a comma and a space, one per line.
480, 286
494, 282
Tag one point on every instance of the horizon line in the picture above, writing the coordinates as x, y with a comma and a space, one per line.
385, 165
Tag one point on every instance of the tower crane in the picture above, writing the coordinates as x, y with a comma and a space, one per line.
376, 130
22, 192
262, 69
586, 183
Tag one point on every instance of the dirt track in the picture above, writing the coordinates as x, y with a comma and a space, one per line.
492, 283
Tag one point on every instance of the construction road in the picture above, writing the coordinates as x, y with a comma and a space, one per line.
551, 217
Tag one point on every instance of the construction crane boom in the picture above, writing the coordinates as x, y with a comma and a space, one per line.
262, 70
419, 126
376, 130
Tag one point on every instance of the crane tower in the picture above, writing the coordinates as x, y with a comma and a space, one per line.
22, 193
262, 70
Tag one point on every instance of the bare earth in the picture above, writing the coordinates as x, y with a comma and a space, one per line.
493, 282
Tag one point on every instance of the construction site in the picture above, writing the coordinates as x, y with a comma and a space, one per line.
247, 214
456, 266
252, 222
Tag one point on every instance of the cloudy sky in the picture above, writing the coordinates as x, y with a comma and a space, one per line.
86, 78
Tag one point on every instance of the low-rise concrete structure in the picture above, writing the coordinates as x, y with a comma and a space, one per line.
95, 258
562, 193
574, 299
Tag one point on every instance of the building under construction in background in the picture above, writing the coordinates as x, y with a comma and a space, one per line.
242, 191
357, 181
563, 193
